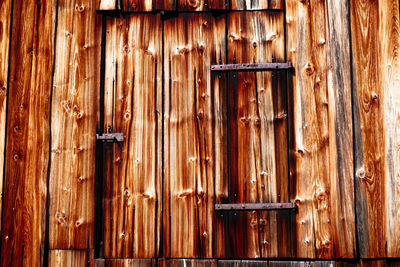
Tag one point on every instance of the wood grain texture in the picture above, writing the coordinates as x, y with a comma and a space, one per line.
5, 22
188, 134
248, 4
74, 114
27, 153
133, 106
389, 71
71, 258
108, 4
257, 136
323, 128
125, 263
138, 5
187, 262
166, 4
375, 38
340, 129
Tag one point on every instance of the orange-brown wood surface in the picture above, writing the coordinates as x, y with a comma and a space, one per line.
108, 4
71, 258
133, 105
125, 263
323, 133
22, 239
5, 21
74, 115
376, 43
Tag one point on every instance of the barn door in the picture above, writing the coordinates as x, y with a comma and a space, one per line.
195, 139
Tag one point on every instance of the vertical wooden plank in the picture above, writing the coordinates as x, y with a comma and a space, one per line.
138, 5
341, 129
108, 4
389, 71
218, 4
257, 130
5, 21
133, 106
68, 258
276, 4
192, 5
188, 142
248, 4
73, 125
27, 132
368, 130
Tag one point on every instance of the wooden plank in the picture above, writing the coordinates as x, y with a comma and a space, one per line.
188, 134
373, 263
108, 5
244, 263
252, 67
389, 71
187, 262
27, 154
340, 130
5, 20
252, 127
248, 4
74, 108
133, 106
69, 258
125, 262
191, 5
276, 4
138, 5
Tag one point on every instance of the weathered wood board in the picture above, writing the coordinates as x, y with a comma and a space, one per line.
74, 115
108, 4
186, 263
27, 155
5, 21
125, 263
376, 41
323, 131
71, 258
133, 106
191, 43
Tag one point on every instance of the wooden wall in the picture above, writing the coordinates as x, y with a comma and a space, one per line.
68, 72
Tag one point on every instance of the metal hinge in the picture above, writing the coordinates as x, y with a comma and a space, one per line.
110, 137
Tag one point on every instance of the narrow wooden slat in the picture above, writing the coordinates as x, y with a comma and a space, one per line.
188, 135
27, 153
69, 258
251, 67
133, 106
125, 263
248, 4
108, 4
340, 130
389, 71
187, 262
254, 206
73, 125
5, 21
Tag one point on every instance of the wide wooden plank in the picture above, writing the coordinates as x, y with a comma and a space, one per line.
5, 21
389, 71
27, 153
125, 263
257, 134
74, 114
340, 130
188, 134
70, 258
133, 106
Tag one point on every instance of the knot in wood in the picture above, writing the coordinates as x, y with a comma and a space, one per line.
126, 49
127, 115
16, 156
245, 120
374, 96
233, 37
61, 219
254, 44
81, 179
360, 173
193, 4
16, 128
253, 223
80, 8
183, 50
271, 37
201, 47
78, 223
309, 69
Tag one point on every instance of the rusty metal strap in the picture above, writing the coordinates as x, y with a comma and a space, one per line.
253, 67
255, 206
110, 137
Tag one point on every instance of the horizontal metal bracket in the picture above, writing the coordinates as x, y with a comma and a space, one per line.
252, 67
110, 137
255, 206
